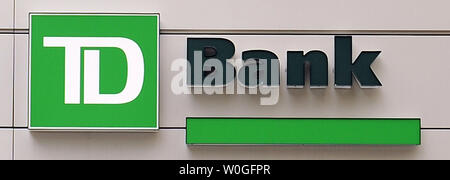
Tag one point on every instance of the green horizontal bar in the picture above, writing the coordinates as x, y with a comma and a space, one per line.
209, 131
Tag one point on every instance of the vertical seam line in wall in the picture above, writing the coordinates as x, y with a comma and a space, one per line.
14, 62
14, 82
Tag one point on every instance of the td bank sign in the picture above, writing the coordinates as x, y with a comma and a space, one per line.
94, 72
101, 71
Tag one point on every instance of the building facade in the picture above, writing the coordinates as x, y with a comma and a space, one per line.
412, 36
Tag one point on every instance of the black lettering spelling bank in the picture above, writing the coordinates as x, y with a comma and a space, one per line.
219, 51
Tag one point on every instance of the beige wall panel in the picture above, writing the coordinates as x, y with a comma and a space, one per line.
6, 14
6, 144
6, 80
264, 14
414, 71
170, 144
21, 81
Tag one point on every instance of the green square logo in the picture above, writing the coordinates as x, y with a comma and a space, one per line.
94, 72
